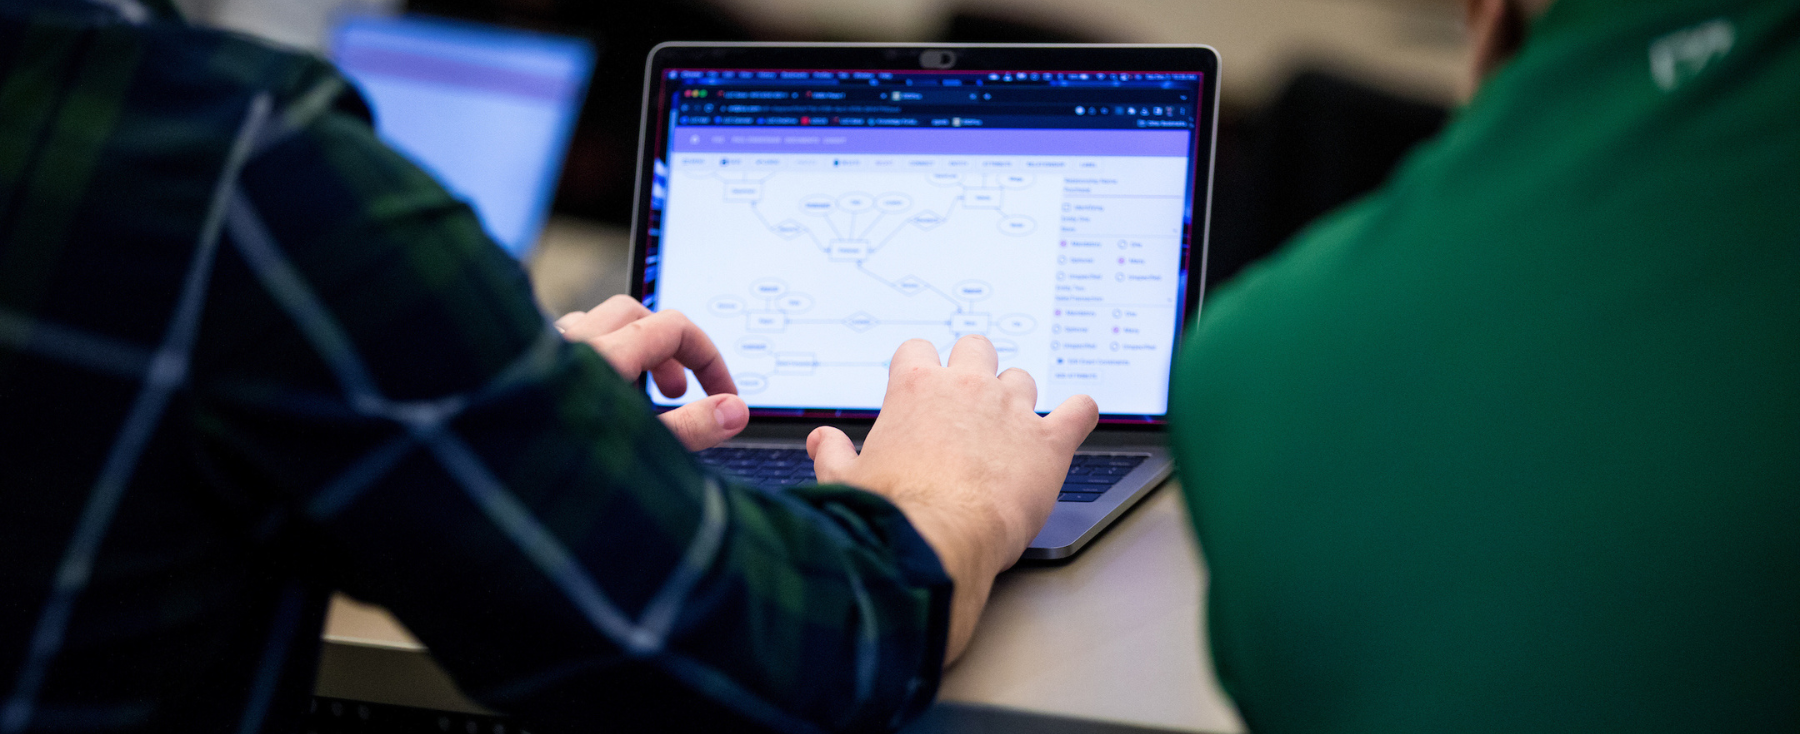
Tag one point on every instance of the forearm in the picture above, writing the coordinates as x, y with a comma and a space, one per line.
516, 503
966, 605
811, 605
971, 556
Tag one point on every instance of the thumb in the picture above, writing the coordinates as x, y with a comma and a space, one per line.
1072, 421
706, 423
832, 454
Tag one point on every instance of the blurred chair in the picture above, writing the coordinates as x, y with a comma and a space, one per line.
1324, 141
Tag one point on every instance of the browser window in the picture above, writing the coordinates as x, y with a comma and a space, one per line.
811, 221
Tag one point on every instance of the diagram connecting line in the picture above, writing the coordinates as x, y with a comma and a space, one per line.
947, 297
872, 226
870, 273
855, 242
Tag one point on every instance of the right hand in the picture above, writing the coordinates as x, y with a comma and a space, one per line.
963, 454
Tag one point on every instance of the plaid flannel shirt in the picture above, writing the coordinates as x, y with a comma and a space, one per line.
248, 356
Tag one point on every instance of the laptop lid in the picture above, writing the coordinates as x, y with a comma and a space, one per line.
485, 109
812, 207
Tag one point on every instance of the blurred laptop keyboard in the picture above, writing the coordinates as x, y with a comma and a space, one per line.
1090, 475
765, 468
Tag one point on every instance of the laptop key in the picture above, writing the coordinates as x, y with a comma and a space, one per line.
1101, 479
1078, 497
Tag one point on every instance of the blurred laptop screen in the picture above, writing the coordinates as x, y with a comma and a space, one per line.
486, 110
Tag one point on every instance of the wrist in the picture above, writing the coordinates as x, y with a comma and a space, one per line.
959, 547
964, 549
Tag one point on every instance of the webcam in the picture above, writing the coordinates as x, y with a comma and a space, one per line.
937, 59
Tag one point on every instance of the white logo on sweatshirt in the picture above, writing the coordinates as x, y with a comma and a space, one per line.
1682, 55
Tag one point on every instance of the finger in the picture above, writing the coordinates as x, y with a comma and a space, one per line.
974, 353
1020, 387
832, 453
660, 337
567, 321
707, 422
1072, 421
611, 315
913, 354
671, 379
616, 312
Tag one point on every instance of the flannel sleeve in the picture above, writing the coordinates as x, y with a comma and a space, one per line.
385, 381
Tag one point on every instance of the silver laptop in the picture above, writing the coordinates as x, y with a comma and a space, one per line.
813, 206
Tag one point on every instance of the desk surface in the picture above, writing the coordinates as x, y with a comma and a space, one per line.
1113, 634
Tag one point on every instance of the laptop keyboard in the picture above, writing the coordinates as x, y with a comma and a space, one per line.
1090, 475
765, 468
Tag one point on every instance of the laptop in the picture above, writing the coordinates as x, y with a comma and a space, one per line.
487, 110
812, 206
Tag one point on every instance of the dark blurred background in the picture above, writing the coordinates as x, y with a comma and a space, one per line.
1320, 98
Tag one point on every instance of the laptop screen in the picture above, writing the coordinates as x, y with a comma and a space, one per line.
811, 221
487, 110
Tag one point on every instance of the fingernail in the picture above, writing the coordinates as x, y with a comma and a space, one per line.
731, 415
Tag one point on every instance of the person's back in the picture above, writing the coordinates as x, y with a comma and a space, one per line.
250, 356
1514, 444
106, 242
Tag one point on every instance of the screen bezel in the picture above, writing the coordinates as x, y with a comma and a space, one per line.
969, 57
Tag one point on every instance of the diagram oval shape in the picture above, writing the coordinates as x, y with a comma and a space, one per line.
750, 383
945, 178
1006, 348
1017, 323
817, 204
855, 201
1017, 226
768, 288
726, 306
972, 290
755, 345
860, 321
893, 201
794, 302
1015, 180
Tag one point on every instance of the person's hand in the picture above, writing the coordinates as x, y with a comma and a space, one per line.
634, 339
962, 454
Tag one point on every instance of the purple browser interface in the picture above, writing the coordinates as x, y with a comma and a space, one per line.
811, 222
930, 141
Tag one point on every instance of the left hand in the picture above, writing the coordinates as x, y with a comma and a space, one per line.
633, 339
